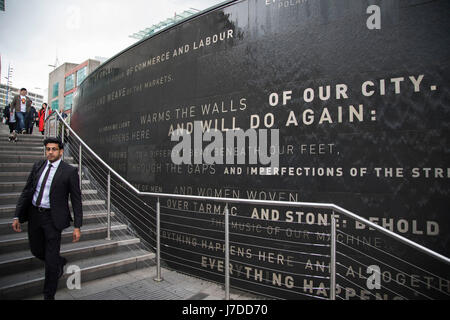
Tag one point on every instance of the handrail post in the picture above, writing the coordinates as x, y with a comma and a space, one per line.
109, 206
56, 127
45, 123
227, 254
333, 259
45, 129
158, 242
80, 155
62, 138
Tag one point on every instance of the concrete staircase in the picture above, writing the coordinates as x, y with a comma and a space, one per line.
21, 274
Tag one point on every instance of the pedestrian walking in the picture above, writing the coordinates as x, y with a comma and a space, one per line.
22, 105
41, 116
29, 121
43, 203
10, 116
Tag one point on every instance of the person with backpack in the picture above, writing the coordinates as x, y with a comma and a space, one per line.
30, 118
10, 115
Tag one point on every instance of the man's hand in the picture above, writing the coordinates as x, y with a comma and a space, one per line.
16, 226
76, 235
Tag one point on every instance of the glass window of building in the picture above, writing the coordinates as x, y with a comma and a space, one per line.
55, 90
68, 100
70, 82
81, 75
55, 105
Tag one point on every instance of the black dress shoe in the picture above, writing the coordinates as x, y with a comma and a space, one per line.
61, 268
49, 297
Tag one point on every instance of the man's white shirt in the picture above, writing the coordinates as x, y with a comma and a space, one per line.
45, 202
23, 104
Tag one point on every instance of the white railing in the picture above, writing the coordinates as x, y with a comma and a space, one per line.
363, 270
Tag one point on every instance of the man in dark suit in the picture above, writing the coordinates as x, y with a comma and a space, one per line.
44, 205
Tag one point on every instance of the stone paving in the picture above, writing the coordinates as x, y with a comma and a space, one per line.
139, 285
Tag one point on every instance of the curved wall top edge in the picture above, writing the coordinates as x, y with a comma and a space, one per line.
205, 11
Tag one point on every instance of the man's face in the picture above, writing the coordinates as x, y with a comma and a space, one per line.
23, 92
53, 152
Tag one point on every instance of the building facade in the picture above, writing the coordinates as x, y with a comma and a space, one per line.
64, 81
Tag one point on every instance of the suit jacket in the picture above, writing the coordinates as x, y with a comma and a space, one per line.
16, 103
31, 116
6, 114
65, 182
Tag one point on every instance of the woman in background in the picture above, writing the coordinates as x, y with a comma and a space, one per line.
41, 115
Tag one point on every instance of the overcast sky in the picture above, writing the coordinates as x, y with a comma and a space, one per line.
34, 32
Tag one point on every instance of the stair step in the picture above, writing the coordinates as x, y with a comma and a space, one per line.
16, 167
13, 176
24, 260
92, 203
31, 283
19, 241
89, 192
30, 137
13, 197
22, 274
12, 186
15, 147
17, 186
11, 158
20, 167
5, 209
21, 143
89, 217
22, 152
6, 142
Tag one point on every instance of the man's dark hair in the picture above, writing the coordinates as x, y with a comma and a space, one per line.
54, 140
23, 89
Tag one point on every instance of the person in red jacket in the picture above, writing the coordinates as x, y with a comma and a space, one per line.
41, 116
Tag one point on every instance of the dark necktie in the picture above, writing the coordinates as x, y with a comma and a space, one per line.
41, 192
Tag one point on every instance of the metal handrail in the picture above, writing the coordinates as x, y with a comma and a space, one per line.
328, 206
